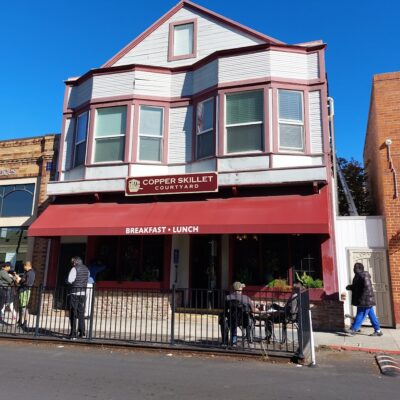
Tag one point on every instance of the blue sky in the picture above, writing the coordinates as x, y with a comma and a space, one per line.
44, 42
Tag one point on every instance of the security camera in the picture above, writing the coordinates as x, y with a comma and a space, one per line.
388, 142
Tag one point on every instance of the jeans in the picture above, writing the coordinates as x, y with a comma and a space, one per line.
362, 313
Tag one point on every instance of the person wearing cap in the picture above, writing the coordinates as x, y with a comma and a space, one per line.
237, 296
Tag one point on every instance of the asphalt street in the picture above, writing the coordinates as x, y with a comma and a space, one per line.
55, 371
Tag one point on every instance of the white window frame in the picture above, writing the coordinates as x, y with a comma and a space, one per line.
108, 136
161, 138
242, 124
292, 122
199, 133
76, 143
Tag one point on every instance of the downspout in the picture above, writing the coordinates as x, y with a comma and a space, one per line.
388, 143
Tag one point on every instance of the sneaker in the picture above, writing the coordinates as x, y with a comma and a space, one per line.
376, 333
350, 332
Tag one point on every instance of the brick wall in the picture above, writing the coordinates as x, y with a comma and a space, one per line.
327, 315
384, 123
28, 158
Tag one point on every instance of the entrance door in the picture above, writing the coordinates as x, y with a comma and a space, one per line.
375, 262
67, 251
204, 262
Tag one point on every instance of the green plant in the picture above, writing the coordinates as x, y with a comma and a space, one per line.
278, 283
308, 281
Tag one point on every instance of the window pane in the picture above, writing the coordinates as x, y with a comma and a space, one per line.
111, 149
291, 136
151, 121
17, 203
205, 115
150, 149
205, 144
80, 152
244, 107
110, 121
183, 39
290, 105
13, 247
244, 138
81, 128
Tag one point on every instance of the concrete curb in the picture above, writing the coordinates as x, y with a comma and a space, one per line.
363, 349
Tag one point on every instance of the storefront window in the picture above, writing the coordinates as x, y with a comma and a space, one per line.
131, 259
306, 251
258, 259
16, 200
13, 246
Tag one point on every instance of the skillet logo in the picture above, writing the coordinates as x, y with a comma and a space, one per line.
134, 186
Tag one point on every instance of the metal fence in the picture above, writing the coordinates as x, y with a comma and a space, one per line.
197, 318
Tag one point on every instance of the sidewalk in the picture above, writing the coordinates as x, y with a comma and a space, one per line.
389, 343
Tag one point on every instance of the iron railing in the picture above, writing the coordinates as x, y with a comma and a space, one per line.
179, 317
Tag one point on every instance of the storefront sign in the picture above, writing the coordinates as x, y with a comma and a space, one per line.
7, 172
161, 230
168, 184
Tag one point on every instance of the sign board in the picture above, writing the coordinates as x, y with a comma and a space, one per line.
169, 184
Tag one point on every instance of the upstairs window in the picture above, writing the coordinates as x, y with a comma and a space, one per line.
80, 139
291, 120
151, 133
205, 129
244, 121
182, 40
16, 200
109, 135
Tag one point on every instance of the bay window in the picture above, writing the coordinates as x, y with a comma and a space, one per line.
244, 121
80, 139
291, 120
110, 129
205, 129
151, 133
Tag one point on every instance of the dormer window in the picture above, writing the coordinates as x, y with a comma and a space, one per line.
182, 40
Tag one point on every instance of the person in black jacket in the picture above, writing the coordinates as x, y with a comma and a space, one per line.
78, 278
24, 293
364, 299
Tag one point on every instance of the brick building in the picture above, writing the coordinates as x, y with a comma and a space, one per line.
382, 162
26, 165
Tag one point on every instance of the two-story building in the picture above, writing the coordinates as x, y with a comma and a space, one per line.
197, 155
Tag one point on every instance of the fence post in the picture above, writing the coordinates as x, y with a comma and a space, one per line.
300, 333
38, 310
173, 316
92, 300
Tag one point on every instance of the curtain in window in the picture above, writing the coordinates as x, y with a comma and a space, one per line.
183, 39
244, 121
110, 134
151, 133
205, 125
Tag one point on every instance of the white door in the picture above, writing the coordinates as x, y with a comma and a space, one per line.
375, 262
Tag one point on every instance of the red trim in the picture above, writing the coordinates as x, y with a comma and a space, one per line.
196, 7
53, 262
218, 54
272, 214
171, 40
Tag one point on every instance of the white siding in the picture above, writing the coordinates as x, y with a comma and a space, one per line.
80, 94
152, 84
243, 67
294, 65
243, 163
180, 135
118, 84
68, 143
205, 77
315, 118
212, 36
109, 171
288, 161
182, 84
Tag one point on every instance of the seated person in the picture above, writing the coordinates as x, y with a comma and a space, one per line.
282, 314
238, 313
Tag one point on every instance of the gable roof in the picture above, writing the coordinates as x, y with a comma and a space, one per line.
196, 7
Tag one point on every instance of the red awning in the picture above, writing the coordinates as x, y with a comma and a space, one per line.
273, 214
